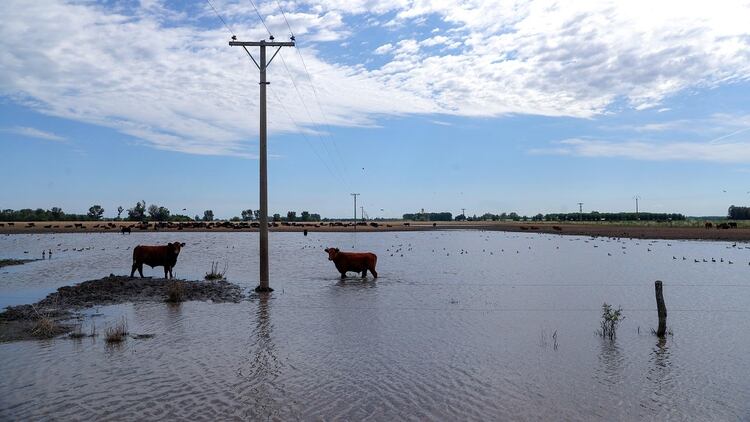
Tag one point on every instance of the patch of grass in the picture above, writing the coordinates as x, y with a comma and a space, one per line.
77, 331
215, 273
118, 332
610, 319
45, 326
175, 292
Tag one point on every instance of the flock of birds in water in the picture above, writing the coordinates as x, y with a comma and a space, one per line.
398, 250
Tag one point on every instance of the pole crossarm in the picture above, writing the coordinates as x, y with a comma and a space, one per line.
261, 43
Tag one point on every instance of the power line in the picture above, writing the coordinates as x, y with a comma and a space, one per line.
220, 18
261, 19
309, 115
218, 15
304, 136
339, 168
315, 91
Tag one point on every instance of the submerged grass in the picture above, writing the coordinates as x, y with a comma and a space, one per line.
175, 292
215, 273
45, 325
118, 332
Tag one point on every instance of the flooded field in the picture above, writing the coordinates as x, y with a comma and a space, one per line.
459, 325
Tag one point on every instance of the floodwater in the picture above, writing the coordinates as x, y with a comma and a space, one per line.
504, 330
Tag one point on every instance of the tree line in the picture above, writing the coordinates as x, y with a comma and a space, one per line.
142, 212
573, 216
614, 216
738, 213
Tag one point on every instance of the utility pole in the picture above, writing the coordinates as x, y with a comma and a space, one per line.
463, 212
580, 211
262, 44
355, 206
636, 206
362, 213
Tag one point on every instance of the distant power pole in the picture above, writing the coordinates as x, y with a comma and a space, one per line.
362, 213
463, 212
580, 211
263, 285
636, 206
355, 207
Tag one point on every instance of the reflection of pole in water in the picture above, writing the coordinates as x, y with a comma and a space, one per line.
265, 368
660, 377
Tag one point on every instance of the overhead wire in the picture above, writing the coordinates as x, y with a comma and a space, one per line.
231, 31
312, 85
257, 12
221, 19
340, 168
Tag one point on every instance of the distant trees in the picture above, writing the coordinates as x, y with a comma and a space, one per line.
291, 216
614, 216
208, 215
56, 213
738, 213
247, 215
277, 217
158, 213
305, 216
95, 212
120, 209
39, 214
429, 216
138, 212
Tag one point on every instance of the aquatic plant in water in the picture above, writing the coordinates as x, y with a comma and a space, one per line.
610, 319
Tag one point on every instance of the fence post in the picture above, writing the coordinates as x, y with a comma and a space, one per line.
661, 309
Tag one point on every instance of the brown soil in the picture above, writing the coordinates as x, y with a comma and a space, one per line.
16, 322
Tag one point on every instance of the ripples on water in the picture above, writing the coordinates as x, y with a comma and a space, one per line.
440, 335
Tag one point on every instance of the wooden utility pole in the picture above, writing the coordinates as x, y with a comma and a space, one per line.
262, 44
355, 207
580, 211
636, 206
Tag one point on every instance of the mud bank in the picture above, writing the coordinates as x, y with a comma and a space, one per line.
20, 322
9, 262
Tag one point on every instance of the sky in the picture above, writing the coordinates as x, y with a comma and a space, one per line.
491, 106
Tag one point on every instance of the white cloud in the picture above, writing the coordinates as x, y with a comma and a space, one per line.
725, 152
33, 133
179, 86
384, 49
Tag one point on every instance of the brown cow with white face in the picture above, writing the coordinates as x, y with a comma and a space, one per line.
353, 261
156, 256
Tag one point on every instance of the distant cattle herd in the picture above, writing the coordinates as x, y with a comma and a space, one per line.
729, 225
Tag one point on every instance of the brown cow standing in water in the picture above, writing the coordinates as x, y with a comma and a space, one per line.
353, 261
156, 256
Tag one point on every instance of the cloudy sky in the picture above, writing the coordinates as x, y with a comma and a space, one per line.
526, 106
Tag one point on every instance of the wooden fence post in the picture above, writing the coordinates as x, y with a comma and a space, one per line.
661, 309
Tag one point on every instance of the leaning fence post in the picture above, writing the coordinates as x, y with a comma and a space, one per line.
661, 309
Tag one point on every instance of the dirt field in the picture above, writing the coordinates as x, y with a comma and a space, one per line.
642, 230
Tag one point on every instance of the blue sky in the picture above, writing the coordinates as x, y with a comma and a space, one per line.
493, 107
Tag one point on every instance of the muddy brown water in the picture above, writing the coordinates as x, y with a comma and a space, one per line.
441, 335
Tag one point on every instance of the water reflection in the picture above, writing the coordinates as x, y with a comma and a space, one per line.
609, 371
659, 375
265, 394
